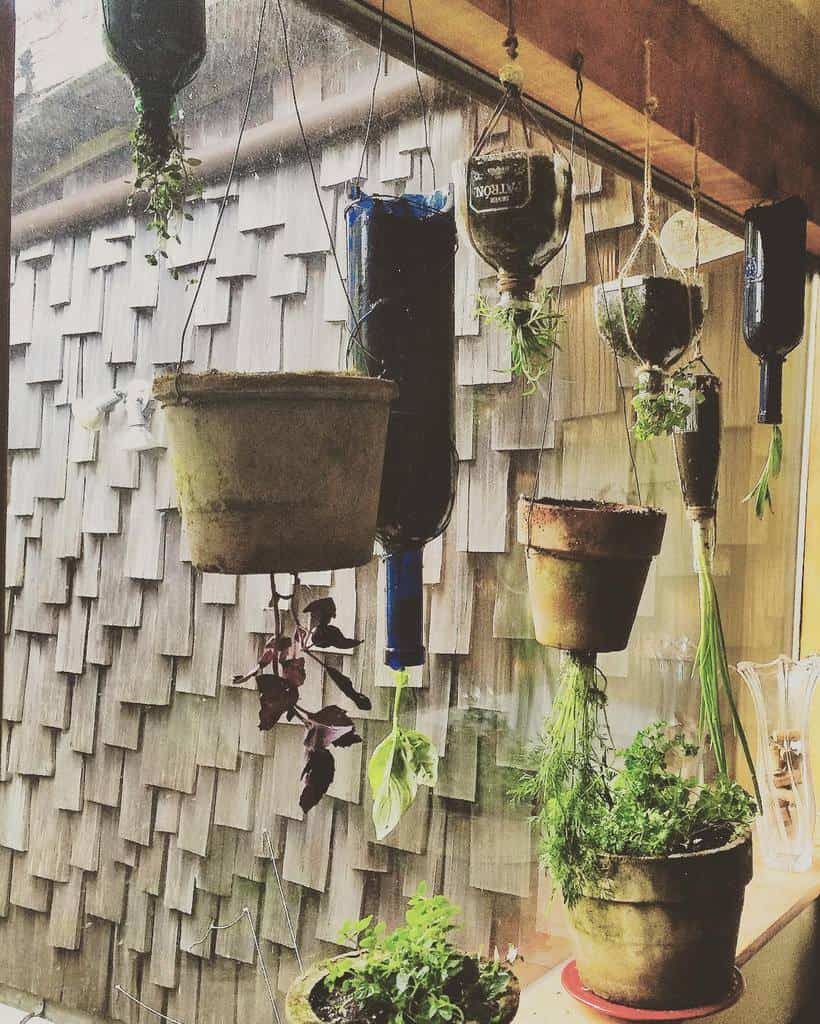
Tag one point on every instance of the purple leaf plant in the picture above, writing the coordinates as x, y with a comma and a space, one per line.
279, 675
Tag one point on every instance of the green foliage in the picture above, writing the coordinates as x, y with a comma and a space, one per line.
565, 774
533, 328
712, 666
163, 178
658, 414
584, 809
612, 308
761, 492
415, 975
404, 760
656, 812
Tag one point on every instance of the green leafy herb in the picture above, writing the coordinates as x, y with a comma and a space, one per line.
645, 809
163, 177
761, 492
566, 773
403, 761
533, 328
659, 413
415, 975
614, 306
712, 666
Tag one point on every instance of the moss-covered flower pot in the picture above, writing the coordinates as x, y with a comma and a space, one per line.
587, 563
302, 999
662, 317
665, 933
277, 472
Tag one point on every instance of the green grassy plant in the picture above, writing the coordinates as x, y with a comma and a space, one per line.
533, 329
761, 493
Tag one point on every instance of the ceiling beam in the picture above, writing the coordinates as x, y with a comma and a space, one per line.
758, 140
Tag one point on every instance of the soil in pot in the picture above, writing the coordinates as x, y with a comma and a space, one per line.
515, 207
277, 472
665, 934
587, 563
663, 316
697, 447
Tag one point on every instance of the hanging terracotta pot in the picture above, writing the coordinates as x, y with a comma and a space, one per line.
277, 472
587, 563
160, 46
649, 319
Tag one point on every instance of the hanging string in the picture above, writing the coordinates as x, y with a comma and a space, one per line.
379, 55
422, 100
579, 83
156, 1013
694, 191
510, 44
224, 202
288, 919
245, 915
558, 303
357, 321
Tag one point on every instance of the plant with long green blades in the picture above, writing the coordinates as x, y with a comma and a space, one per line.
712, 667
533, 326
761, 493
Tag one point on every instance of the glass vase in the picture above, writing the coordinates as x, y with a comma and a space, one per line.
782, 691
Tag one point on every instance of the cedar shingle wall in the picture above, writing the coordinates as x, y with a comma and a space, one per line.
135, 788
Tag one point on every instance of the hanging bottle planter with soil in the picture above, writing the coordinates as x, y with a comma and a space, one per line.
697, 454
401, 279
160, 47
514, 205
277, 472
773, 295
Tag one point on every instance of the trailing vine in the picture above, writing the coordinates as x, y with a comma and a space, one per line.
533, 326
163, 178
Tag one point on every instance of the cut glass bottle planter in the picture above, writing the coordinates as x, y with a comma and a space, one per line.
782, 692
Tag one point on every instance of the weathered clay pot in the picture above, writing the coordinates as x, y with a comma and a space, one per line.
277, 472
663, 315
665, 934
587, 563
298, 1008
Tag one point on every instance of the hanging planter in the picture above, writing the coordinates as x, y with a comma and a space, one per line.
160, 47
277, 472
773, 295
587, 563
515, 205
697, 454
401, 280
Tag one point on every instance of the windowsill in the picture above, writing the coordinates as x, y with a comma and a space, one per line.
774, 900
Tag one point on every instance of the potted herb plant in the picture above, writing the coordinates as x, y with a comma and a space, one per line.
277, 472
414, 974
652, 865
514, 204
160, 46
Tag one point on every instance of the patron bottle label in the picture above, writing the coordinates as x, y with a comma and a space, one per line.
499, 183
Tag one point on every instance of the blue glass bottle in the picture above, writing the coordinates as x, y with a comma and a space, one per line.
401, 278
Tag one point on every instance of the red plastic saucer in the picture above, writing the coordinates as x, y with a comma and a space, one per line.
571, 981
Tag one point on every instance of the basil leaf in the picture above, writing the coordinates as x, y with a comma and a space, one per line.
393, 782
422, 756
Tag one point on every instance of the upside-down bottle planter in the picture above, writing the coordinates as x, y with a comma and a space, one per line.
587, 563
160, 47
277, 472
773, 295
401, 279
514, 205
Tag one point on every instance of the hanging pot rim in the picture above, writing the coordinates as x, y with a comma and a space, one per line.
219, 386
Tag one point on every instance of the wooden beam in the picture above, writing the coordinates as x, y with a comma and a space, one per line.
758, 139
